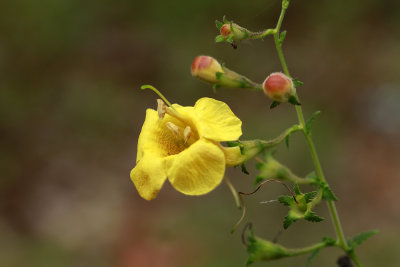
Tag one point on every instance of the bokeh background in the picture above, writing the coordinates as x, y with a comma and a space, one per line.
71, 113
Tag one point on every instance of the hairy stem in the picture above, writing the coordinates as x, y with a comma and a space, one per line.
331, 205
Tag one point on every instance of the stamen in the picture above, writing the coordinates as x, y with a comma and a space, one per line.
174, 129
187, 133
161, 108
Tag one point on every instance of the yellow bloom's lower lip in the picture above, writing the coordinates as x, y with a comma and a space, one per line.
185, 148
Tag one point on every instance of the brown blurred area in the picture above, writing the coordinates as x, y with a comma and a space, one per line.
71, 113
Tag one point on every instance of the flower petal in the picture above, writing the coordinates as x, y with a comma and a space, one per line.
216, 121
148, 176
198, 169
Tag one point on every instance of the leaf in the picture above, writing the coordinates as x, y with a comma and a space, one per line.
310, 196
285, 200
329, 241
312, 256
274, 104
244, 170
287, 140
219, 24
312, 217
282, 36
288, 221
311, 120
361, 238
219, 38
296, 82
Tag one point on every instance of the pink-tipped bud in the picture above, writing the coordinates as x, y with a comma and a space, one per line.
206, 69
225, 30
278, 87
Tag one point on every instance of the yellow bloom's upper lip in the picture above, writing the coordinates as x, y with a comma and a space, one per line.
195, 166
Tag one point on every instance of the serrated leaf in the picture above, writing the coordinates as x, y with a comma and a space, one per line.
287, 140
311, 120
312, 256
219, 38
312, 217
285, 200
219, 24
296, 189
244, 170
274, 104
361, 238
296, 82
287, 221
310, 196
282, 36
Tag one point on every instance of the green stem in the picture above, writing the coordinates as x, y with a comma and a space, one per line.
305, 250
331, 205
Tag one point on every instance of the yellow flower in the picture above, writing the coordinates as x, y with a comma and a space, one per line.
183, 145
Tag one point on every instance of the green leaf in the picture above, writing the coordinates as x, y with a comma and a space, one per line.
285, 200
287, 140
296, 82
244, 170
296, 189
311, 120
219, 39
312, 256
219, 24
312, 217
274, 104
288, 221
361, 238
293, 100
310, 196
282, 37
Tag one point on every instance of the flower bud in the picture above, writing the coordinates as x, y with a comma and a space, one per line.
206, 68
234, 32
279, 87
210, 70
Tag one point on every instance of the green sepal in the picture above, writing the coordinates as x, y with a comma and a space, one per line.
329, 241
311, 120
219, 24
293, 100
287, 140
229, 40
274, 104
312, 217
259, 178
312, 256
310, 196
288, 220
282, 36
225, 20
215, 86
313, 176
296, 189
244, 170
296, 82
361, 238
219, 38
219, 75
327, 193
285, 200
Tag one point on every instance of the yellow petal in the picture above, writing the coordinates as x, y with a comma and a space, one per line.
198, 169
216, 121
149, 176
233, 156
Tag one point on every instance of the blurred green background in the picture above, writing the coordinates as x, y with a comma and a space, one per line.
71, 112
